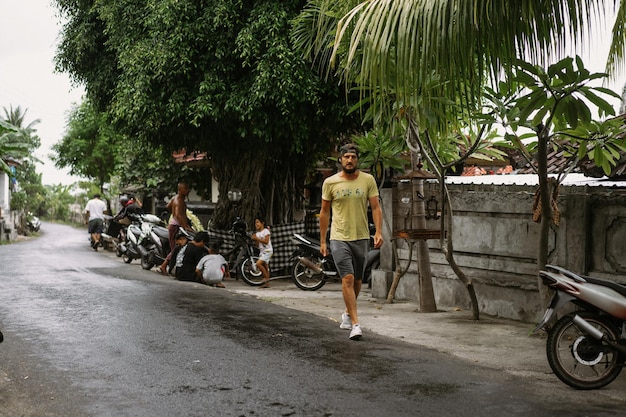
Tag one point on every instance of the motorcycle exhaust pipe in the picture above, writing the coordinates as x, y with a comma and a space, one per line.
143, 251
315, 268
587, 328
306, 262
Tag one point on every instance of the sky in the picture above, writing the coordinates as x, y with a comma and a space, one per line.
28, 36
29, 33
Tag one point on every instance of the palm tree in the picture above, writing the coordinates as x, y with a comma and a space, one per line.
11, 144
399, 44
17, 117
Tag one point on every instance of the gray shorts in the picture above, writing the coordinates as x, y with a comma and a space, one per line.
95, 226
350, 257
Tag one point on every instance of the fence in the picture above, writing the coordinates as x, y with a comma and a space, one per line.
281, 242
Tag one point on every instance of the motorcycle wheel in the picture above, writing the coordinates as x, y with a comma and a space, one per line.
127, 259
118, 251
579, 360
305, 278
250, 274
145, 263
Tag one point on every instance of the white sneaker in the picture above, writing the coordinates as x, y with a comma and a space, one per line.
356, 332
346, 322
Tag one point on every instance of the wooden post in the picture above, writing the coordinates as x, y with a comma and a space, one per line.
427, 302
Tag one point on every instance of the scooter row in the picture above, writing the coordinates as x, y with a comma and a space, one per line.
146, 238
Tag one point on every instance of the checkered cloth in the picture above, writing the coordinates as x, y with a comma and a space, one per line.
281, 238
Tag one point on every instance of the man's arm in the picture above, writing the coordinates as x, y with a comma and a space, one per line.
324, 219
377, 216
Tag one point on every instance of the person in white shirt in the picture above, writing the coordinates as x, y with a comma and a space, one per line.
262, 237
212, 268
94, 218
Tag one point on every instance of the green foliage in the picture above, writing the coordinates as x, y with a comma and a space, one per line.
216, 76
13, 143
376, 147
378, 152
555, 104
33, 193
59, 202
89, 147
19, 200
146, 165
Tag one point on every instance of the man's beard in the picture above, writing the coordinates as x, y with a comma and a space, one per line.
349, 170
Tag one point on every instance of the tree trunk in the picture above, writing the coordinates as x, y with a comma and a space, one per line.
400, 272
427, 303
245, 176
545, 193
448, 250
267, 189
446, 241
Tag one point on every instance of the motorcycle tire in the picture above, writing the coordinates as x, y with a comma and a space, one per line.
250, 274
118, 251
305, 278
145, 263
127, 259
579, 360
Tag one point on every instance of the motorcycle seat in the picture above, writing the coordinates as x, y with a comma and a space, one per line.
620, 288
161, 232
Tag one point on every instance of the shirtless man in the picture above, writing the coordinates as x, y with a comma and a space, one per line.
178, 207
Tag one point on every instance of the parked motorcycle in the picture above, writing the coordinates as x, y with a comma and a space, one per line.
586, 348
311, 270
135, 235
156, 244
114, 234
33, 224
243, 256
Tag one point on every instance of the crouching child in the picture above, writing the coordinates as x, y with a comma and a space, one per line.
212, 268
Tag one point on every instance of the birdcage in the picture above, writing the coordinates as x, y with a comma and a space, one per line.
416, 211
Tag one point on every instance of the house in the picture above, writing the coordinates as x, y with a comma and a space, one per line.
8, 219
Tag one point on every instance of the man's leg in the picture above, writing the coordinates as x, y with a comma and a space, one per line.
172, 231
350, 289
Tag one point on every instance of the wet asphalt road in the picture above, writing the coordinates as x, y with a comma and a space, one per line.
87, 335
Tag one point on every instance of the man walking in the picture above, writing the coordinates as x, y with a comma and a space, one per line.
94, 215
347, 194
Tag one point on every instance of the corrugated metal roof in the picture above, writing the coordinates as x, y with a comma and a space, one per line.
532, 179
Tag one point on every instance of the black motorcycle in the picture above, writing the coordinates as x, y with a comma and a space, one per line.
310, 269
243, 256
114, 234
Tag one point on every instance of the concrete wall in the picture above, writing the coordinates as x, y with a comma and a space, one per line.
496, 244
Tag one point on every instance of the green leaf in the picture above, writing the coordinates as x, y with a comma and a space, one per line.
602, 104
534, 102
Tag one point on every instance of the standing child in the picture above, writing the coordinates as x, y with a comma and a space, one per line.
262, 237
212, 268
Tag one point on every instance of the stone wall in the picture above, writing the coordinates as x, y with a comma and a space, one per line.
496, 244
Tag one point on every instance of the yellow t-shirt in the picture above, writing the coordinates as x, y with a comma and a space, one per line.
349, 199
